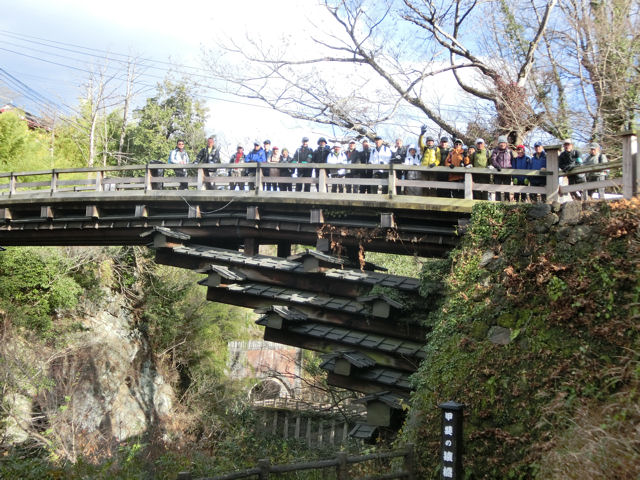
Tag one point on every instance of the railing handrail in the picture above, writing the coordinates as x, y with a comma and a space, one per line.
340, 462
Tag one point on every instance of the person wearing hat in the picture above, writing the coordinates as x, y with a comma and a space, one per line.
237, 157
522, 162
539, 162
414, 159
267, 149
380, 155
596, 157
304, 154
209, 154
569, 159
456, 158
337, 156
352, 156
479, 158
430, 158
256, 155
501, 157
322, 152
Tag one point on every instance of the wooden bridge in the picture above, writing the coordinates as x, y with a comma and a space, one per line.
326, 298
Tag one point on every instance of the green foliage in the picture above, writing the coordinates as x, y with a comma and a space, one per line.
569, 308
36, 283
21, 149
173, 113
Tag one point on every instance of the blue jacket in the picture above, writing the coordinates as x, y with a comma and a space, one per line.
538, 163
256, 156
522, 163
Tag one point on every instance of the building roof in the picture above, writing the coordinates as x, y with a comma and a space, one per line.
355, 358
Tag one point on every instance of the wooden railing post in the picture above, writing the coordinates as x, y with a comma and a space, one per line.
553, 182
342, 472
264, 466
468, 186
200, 179
99, 177
322, 180
54, 181
12, 183
258, 184
147, 178
630, 165
391, 181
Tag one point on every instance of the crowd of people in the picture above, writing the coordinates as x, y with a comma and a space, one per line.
426, 153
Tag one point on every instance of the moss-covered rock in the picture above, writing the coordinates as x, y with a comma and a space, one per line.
570, 299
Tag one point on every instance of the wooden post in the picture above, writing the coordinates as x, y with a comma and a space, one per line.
284, 249
320, 431
322, 180
308, 431
410, 461
391, 181
251, 246
264, 466
99, 177
342, 471
200, 179
258, 186
630, 166
552, 166
12, 183
147, 178
468, 186
54, 181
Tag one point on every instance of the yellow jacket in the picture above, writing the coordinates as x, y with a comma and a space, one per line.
429, 154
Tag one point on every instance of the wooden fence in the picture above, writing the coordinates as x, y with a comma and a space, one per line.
339, 468
387, 180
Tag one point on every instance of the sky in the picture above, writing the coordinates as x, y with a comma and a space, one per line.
48, 49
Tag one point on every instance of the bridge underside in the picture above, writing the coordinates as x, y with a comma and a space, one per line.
237, 221
317, 301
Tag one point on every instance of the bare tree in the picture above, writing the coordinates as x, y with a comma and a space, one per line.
600, 55
374, 63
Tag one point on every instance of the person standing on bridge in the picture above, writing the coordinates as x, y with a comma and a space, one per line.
237, 158
337, 156
209, 154
569, 159
480, 159
380, 155
256, 155
179, 156
352, 156
430, 158
304, 154
501, 157
456, 158
539, 162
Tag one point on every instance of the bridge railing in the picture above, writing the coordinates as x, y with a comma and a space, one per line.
387, 180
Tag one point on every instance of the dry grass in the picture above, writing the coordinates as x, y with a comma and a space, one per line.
603, 440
